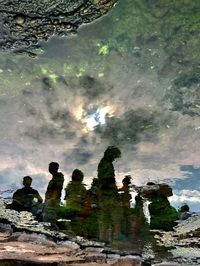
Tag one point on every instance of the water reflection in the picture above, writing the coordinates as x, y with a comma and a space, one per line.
103, 212
134, 84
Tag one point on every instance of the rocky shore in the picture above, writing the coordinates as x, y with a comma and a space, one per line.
25, 23
24, 241
36, 244
184, 241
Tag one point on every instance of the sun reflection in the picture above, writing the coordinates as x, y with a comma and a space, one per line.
97, 117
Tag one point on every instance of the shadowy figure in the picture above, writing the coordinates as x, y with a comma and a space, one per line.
126, 197
184, 212
75, 195
24, 198
163, 215
53, 195
105, 168
109, 204
92, 208
139, 230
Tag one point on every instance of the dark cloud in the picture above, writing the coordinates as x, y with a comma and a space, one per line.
62, 80
48, 113
81, 156
92, 88
134, 126
47, 84
42, 133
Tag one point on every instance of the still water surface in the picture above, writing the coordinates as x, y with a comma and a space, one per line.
113, 83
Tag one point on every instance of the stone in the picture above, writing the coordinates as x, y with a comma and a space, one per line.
19, 20
24, 23
166, 264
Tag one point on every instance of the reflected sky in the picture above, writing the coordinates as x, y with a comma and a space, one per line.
129, 79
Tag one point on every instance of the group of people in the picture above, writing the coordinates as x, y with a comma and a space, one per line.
103, 212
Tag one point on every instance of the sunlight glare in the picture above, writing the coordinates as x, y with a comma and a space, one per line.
96, 118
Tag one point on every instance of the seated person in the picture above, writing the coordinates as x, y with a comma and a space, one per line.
184, 212
75, 193
24, 198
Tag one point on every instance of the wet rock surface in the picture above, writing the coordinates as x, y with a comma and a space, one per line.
184, 241
24, 241
34, 249
24, 23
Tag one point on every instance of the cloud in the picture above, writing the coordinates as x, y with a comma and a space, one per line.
48, 124
186, 196
46, 121
92, 87
190, 178
133, 127
81, 156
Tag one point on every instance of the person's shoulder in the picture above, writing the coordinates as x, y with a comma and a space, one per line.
18, 191
60, 175
69, 184
33, 191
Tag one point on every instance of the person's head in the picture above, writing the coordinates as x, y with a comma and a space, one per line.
184, 208
77, 175
126, 180
27, 180
112, 153
53, 167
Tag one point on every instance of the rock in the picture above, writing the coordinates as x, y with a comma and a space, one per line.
24, 241
183, 241
30, 250
150, 189
128, 261
19, 20
5, 229
166, 264
24, 23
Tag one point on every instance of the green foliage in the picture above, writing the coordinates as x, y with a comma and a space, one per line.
103, 50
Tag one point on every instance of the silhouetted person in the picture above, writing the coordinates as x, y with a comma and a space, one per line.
75, 193
92, 207
75, 196
110, 211
23, 199
105, 168
125, 192
139, 221
184, 212
53, 194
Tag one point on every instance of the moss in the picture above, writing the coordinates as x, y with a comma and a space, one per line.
151, 36
103, 50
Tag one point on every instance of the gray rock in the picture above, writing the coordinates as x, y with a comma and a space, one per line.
166, 264
26, 22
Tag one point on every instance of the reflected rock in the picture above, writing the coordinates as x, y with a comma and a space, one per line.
24, 241
24, 23
184, 240
162, 215
151, 189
